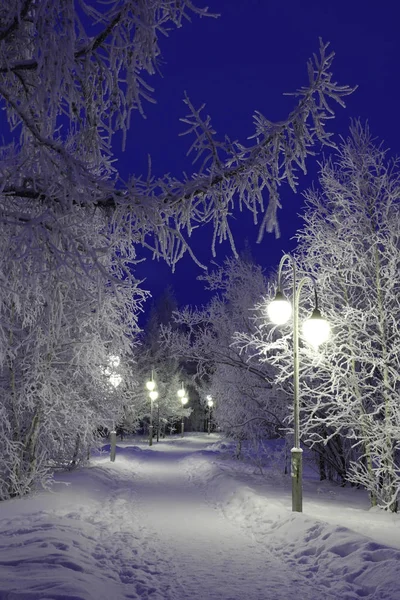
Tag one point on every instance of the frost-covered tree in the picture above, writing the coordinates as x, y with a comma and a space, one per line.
57, 339
352, 238
350, 243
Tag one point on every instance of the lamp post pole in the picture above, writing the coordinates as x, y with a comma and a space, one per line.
158, 421
151, 385
115, 379
113, 444
296, 452
210, 404
184, 400
151, 423
316, 332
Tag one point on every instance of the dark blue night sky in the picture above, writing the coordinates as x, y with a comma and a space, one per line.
244, 61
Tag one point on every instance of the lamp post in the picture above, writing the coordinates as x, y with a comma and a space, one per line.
158, 421
115, 379
184, 400
316, 331
210, 404
153, 394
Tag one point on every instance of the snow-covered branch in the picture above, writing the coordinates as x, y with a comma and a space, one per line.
70, 79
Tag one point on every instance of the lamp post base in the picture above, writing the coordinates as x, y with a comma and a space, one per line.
113, 445
150, 435
182, 428
297, 478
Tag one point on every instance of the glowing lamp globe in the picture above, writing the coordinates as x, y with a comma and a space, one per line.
115, 379
150, 385
184, 400
316, 329
181, 393
210, 401
114, 361
279, 310
153, 395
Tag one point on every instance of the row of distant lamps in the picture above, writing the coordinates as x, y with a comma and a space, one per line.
115, 379
153, 394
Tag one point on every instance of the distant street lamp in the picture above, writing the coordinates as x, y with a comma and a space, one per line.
115, 379
210, 404
184, 400
150, 385
153, 394
316, 330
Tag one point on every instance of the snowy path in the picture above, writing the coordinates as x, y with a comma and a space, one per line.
154, 525
200, 554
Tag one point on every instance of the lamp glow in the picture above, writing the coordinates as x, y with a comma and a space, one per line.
153, 395
150, 385
210, 401
184, 400
316, 329
181, 393
115, 379
279, 310
114, 361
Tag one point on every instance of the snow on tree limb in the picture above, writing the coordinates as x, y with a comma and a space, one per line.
70, 76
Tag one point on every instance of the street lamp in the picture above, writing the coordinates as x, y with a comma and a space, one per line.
115, 379
181, 393
210, 404
316, 331
153, 394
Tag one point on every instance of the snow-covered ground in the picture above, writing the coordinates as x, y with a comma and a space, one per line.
184, 520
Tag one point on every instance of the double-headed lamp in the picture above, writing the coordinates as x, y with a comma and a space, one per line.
279, 310
316, 329
210, 401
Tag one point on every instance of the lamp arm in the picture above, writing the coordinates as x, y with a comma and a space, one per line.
289, 258
303, 280
315, 294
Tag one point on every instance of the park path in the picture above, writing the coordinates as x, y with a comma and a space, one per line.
148, 527
191, 550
